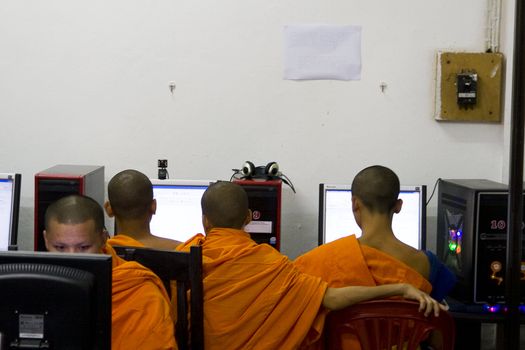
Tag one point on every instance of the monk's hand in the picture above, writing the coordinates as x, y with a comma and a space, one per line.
426, 303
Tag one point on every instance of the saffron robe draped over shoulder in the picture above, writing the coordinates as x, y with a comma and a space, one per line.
254, 297
345, 262
140, 314
127, 241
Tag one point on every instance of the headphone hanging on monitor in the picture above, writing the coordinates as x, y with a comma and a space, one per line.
269, 171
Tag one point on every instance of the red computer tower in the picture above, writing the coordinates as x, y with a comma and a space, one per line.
264, 198
62, 180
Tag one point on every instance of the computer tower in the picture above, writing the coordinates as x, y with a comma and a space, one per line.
62, 180
472, 238
265, 203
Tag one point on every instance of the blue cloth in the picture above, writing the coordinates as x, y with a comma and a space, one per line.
440, 277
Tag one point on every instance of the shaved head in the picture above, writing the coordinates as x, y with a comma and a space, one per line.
130, 194
75, 209
377, 187
225, 204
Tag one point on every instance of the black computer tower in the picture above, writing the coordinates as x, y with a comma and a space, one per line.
62, 180
264, 199
472, 238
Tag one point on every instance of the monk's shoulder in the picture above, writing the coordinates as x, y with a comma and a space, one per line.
418, 260
161, 243
414, 258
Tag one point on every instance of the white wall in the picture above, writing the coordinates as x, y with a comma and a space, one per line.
87, 83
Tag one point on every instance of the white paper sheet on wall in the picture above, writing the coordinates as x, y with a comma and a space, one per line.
321, 51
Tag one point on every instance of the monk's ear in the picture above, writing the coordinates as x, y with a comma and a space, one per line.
355, 204
108, 209
356, 210
248, 218
46, 240
397, 206
153, 207
206, 224
104, 235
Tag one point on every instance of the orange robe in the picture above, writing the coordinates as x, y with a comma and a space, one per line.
254, 297
140, 314
127, 241
345, 262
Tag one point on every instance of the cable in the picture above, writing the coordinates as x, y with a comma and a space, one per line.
235, 172
287, 181
433, 190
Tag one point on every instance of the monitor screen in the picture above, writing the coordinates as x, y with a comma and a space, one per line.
336, 219
179, 214
55, 300
9, 208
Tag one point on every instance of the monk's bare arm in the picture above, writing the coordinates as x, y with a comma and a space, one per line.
339, 298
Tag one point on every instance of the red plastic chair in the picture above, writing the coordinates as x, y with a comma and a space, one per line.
383, 324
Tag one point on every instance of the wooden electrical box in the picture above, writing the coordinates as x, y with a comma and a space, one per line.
487, 70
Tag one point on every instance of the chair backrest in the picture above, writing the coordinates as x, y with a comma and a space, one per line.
383, 324
186, 269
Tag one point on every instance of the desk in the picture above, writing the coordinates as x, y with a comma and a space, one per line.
469, 320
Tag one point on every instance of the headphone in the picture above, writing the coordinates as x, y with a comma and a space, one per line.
250, 171
269, 171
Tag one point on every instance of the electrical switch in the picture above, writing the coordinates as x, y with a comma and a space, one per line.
467, 89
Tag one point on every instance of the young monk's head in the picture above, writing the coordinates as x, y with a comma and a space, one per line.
75, 224
130, 195
225, 204
377, 188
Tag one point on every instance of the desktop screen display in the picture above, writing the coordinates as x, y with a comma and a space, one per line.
336, 219
9, 207
178, 214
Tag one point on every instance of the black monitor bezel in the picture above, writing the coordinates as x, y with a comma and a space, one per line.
99, 265
15, 208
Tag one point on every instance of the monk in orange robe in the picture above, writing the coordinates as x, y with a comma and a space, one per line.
378, 257
125, 240
131, 202
140, 314
254, 297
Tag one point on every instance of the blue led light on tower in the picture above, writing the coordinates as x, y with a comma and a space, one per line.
496, 308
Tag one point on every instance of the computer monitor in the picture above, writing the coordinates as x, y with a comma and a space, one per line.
55, 300
9, 209
179, 214
336, 219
